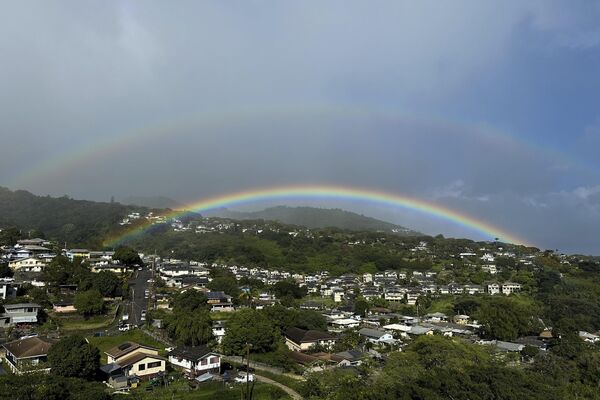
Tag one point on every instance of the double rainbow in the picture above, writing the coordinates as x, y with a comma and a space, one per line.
330, 192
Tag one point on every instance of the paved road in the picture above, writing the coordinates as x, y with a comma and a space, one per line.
138, 284
295, 395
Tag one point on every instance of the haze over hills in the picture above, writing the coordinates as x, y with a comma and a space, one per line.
313, 217
152, 202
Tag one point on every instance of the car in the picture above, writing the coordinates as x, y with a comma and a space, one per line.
125, 317
140, 268
124, 327
143, 318
244, 377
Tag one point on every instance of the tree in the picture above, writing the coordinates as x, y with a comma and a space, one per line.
107, 282
189, 300
5, 271
190, 327
227, 284
249, 327
127, 256
89, 302
288, 289
361, 306
72, 356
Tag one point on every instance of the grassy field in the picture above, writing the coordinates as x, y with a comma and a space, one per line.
293, 381
76, 322
106, 342
180, 390
443, 304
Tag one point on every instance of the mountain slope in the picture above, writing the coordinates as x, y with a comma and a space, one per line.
313, 217
77, 222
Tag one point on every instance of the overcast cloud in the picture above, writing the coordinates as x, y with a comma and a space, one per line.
490, 108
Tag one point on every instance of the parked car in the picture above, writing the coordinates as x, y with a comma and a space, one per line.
143, 318
125, 317
124, 327
244, 377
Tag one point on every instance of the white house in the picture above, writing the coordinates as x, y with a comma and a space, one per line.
197, 360
493, 288
377, 336
342, 324
27, 264
510, 288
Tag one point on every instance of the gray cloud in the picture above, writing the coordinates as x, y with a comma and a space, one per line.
254, 94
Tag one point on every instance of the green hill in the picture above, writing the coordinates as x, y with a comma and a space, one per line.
77, 222
315, 218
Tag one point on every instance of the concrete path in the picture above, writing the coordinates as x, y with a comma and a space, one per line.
295, 395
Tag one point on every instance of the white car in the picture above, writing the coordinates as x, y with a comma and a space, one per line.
124, 327
241, 378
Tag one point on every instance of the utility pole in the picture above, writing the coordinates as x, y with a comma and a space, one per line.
248, 392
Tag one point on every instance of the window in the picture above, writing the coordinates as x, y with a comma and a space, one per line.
204, 362
142, 367
154, 364
214, 360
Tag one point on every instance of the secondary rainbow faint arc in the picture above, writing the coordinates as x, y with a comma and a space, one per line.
331, 192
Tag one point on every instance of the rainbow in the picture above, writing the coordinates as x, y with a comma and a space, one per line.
329, 192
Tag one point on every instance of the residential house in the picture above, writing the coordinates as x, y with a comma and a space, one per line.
493, 288
219, 301
589, 337
195, 360
342, 324
8, 289
510, 288
21, 313
218, 330
136, 360
27, 264
301, 340
27, 355
78, 253
377, 336
63, 306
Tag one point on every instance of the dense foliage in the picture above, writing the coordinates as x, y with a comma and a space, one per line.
441, 368
77, 222
72, 356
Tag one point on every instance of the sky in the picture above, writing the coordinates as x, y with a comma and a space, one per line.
488, 108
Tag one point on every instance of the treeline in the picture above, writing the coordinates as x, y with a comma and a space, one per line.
77, 222
324, 249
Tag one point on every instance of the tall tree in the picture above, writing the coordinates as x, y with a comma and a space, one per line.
72, 356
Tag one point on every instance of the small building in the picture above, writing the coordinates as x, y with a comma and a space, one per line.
195, 360
342, 324
377, 336
8, 289
136, 359
27, 264
63, 306
510, 288
298, 339
21, 313
27, 355
219, 301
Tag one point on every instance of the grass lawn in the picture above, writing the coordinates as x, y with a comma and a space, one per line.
293, 381
76, 322
221, 315
443, 304
213, 390
106, 342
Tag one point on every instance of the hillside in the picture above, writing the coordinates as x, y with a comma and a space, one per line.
315, 218
77, 222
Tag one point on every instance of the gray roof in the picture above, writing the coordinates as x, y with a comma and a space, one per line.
372, 333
